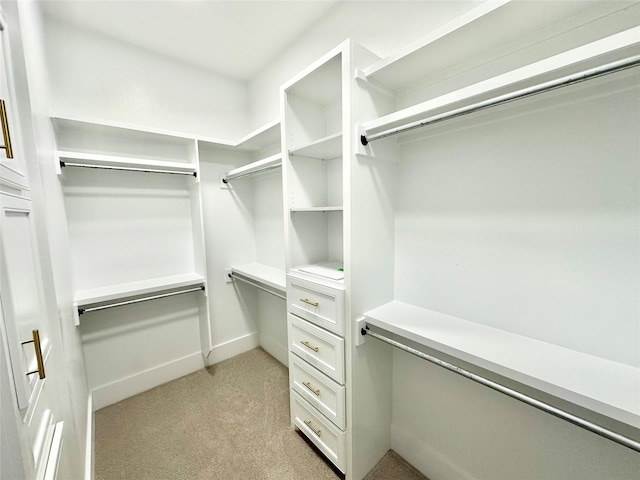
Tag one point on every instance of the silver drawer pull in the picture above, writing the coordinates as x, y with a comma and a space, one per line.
309, 302
308, 424
308, 385
308, 345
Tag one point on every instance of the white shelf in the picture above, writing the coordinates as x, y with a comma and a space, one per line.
144, 287
318, 209
271, 277
325, 148
603, 386
321, 82
265, 136
105, 127
486, 28
612, 48
255, 167
106, 161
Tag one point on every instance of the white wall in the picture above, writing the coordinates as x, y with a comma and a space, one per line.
451, 428
99, 77
230, 239
380, 26
527, 219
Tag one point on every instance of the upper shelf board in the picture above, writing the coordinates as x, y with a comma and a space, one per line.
265, 136
597, 53
261, 138
321, 82
271, 277
486, 28
603, 386
325, 148
90, 126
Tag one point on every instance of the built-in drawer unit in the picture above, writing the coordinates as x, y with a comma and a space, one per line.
318, 389
319, 304
326, 436
316, 346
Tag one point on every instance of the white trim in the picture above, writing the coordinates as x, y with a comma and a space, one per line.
110, 393
232, 348
423, 457
89, 451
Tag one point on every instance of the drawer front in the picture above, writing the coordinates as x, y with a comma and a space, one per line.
317, 303
318, 389
322, 349
329, 439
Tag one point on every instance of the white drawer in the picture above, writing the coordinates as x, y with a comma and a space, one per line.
318, 389
322, 349
329, 439
317, 303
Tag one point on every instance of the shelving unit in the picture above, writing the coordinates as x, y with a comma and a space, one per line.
314, 143
159, 245
243, 217
516, 315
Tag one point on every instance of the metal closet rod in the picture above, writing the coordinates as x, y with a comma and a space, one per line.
565, 81
233, 275
545, 407
260, 170
138, 300
128, 169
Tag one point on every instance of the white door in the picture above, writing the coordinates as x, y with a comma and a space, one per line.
24, 328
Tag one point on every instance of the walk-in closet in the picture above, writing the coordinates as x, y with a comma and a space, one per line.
332, 239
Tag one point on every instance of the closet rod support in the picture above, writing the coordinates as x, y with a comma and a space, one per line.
565, 81
82, 311
545, 407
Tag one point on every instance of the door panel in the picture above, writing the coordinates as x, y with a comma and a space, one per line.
22, 294
12, 170
23, 302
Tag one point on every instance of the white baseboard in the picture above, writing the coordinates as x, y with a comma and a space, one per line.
113, 392
275, 349
428, 461
232, 348
89, 460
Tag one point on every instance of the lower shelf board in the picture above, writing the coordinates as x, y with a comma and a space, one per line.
608, 388
271, 277
123, 292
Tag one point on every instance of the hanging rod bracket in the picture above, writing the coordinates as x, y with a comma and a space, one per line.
363, 140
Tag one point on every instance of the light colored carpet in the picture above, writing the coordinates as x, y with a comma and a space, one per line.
230, 421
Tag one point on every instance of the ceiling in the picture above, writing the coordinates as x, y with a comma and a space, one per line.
235, 38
